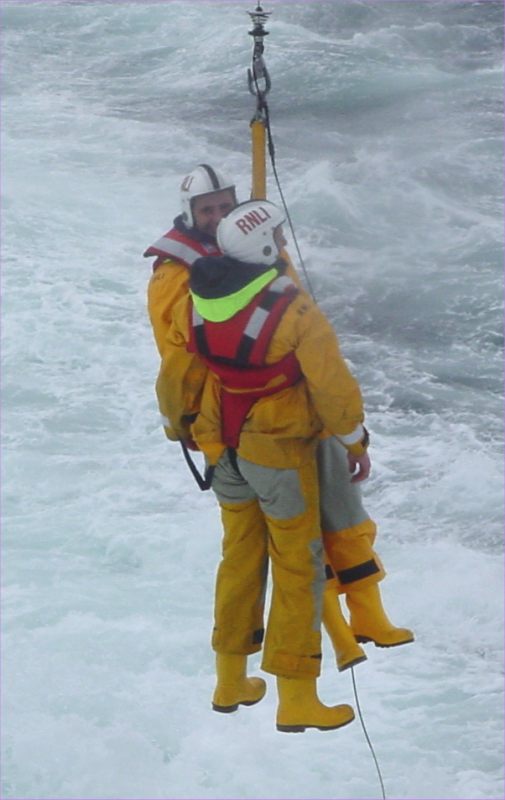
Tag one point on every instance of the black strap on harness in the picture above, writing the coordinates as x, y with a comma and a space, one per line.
232, 455
204, 481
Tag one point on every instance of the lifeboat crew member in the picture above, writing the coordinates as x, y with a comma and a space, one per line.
275, 379
354, 568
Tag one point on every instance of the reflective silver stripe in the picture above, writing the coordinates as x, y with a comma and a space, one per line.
197, 319
281, 283
256, 323
354, 437
165, 421
260, 315
170, 247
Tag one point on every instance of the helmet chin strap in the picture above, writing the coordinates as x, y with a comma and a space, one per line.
194, 233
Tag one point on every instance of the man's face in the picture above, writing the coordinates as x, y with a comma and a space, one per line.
209, 209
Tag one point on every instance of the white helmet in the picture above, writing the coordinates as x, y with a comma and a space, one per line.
202, 180
247, 232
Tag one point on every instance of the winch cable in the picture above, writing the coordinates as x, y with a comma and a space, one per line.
261, 120
261, 123
370, 746
271, 150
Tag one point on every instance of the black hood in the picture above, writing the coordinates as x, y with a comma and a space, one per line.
217, 276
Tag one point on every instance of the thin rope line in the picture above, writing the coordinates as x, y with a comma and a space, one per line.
366, 734
271, 149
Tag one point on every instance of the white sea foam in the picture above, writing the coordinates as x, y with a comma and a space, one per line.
389, 161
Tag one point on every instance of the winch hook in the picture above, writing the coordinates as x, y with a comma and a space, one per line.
259, 71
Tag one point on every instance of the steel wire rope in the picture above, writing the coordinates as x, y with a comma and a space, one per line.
263, 113
370, 746
271, 150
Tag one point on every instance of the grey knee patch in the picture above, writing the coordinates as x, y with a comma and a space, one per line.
228, 485
279, 491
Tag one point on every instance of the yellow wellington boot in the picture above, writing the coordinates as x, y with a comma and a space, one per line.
233, 687
347, 650
369, 620
300, 708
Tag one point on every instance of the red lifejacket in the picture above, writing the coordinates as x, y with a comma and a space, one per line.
235, 351
181, 247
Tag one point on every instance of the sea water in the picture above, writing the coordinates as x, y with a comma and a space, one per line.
387, 124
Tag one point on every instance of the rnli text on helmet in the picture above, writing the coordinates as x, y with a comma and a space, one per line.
252, 219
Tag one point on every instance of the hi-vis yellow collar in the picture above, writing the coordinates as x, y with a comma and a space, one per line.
219, 309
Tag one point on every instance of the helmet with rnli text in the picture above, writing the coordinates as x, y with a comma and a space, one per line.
247, 232
202, 180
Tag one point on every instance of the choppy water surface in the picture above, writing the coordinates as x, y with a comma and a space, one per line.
387, 119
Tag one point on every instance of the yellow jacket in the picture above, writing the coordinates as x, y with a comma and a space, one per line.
168, 284
281, 429
174, 252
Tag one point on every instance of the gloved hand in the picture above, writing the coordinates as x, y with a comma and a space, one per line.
191, 444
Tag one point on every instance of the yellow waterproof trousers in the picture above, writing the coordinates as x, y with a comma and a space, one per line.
288, 502
241, 579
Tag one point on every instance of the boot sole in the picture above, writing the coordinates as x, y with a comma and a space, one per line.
234, 707
364, 639
303, 728
352, 663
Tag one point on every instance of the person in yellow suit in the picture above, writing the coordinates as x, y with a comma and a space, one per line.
275, 379
353, 568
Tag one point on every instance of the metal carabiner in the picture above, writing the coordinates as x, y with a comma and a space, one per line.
258, 72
